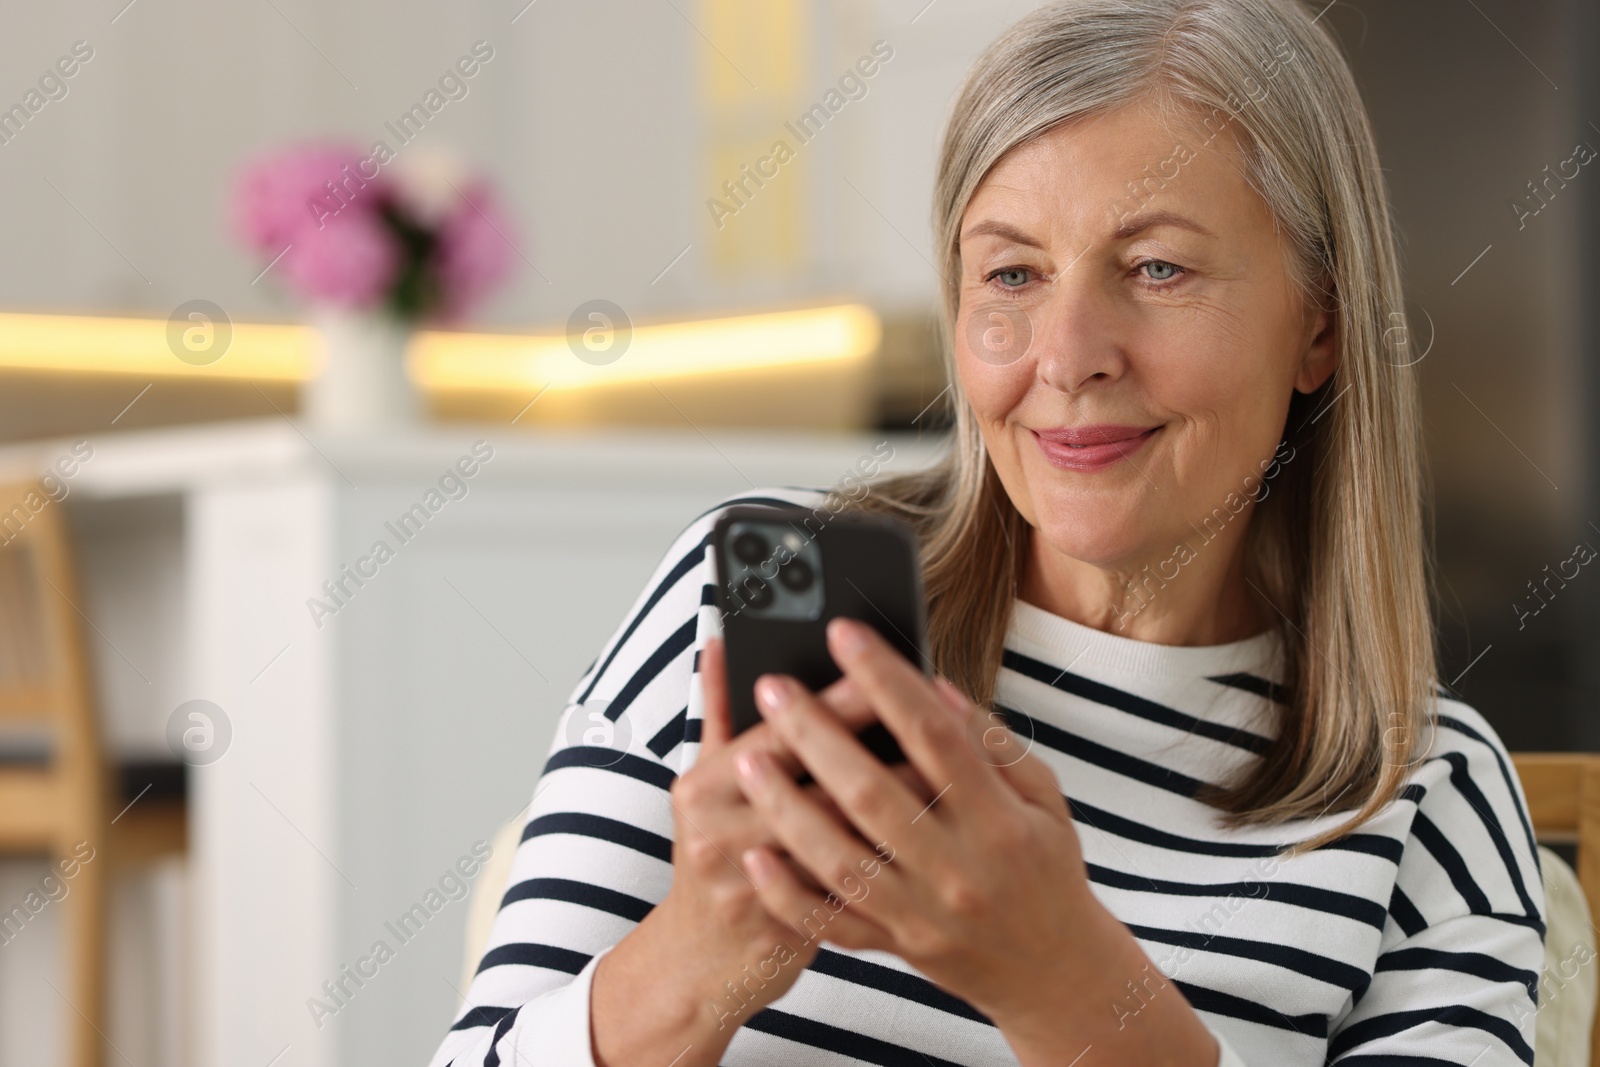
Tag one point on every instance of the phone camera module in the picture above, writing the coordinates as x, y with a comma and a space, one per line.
796, 575
750, 548
773, 570
757, 594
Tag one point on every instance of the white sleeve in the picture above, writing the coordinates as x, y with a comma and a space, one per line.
1228, 1057
555, 1022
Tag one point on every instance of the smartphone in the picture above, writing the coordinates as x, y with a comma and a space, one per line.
782, 573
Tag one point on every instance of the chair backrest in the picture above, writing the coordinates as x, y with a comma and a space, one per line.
44, 678
483, 904
54, 798
1563, 791
23, 666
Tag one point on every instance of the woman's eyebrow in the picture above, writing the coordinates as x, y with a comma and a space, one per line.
1136, 224
1001, 229
1131, 226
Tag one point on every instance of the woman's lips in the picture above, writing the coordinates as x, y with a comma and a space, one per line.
1092, 448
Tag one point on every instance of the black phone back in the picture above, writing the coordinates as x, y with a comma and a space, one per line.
782, 573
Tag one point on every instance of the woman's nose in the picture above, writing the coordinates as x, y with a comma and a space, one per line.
1079, 331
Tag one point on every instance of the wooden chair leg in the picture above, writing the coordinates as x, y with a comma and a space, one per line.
84, 941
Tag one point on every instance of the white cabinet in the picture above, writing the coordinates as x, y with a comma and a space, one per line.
387, 710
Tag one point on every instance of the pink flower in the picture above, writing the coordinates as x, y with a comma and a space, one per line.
338, 235
351, 261
277, 195
475, 251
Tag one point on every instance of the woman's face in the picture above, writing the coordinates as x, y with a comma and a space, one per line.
1128, 333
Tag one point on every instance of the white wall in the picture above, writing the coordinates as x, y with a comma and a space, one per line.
589, 117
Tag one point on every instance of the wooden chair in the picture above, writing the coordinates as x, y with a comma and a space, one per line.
1563, 791
54, 805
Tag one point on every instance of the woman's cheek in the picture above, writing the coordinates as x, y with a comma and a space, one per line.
993, 389
996, 333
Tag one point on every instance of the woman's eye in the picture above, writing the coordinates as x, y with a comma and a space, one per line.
1011, 277
1159, 270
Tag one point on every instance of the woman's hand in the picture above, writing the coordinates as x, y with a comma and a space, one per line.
983, 889
710, 956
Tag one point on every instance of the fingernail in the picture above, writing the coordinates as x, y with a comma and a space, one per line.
849, 635
772, 692
751, 767
755, 866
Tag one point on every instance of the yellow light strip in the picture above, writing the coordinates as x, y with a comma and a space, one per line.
439, 360
92, 345
459, 361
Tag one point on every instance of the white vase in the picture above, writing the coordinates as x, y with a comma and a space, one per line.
363, 383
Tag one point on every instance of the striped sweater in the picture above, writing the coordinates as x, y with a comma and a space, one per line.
1417, 940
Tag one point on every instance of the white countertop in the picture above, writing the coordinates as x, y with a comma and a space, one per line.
182, 458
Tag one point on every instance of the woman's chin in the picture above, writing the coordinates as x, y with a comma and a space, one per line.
1099, 544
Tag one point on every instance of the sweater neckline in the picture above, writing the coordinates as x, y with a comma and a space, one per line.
1066, 643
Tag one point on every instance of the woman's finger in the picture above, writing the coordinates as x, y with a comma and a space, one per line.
907, 775
913, 710
1036, 783
813, 914
834, 854
716, 727
849, 700
1001, 749
844, 696
876, 801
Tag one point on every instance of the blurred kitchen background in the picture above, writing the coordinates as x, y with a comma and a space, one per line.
301, 757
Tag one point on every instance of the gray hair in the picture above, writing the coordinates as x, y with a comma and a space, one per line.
1339, 547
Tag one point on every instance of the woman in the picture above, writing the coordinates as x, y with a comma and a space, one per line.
1177, 547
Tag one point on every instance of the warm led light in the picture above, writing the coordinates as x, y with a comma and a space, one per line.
440, 360
92, 345
465, 361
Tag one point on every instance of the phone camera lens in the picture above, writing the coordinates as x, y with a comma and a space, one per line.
796, 575
750, 547
758, 594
